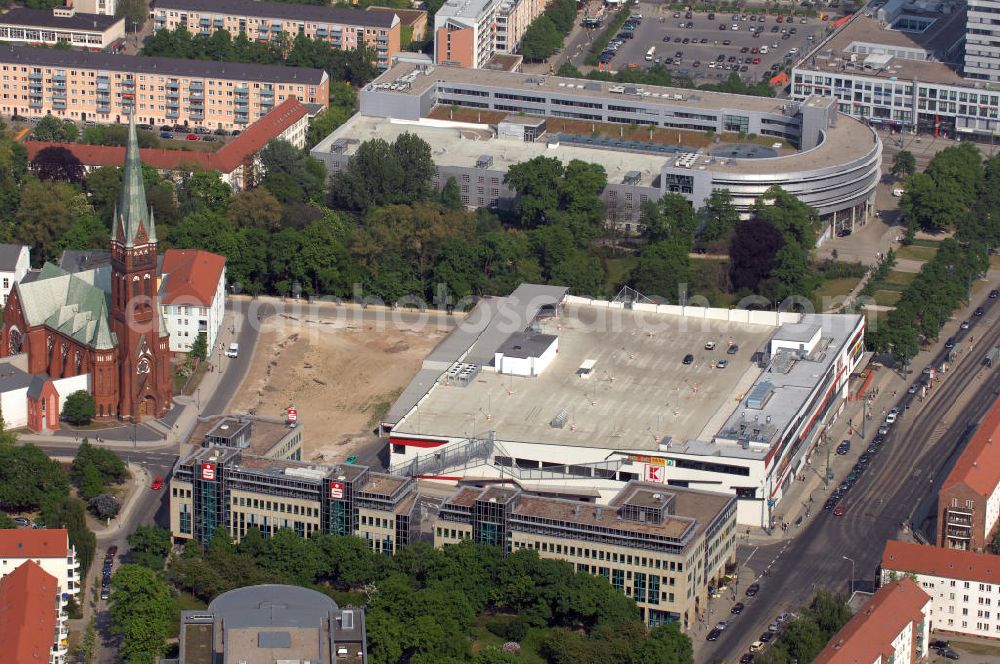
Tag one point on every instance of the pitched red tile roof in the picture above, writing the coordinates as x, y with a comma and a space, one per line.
28, 614
939, 561
869, 634
34, 543
979, 466
225, 160
192, 276
256, 136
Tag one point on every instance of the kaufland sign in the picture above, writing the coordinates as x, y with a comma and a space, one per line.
208, 472
656, 474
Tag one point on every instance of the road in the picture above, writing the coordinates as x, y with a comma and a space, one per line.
898, 486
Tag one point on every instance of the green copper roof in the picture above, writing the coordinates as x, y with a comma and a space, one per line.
133, 221
75, 304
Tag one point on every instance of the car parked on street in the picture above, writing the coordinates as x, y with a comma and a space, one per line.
752, 589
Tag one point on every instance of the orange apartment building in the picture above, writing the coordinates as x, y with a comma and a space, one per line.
469, 33
104, 88
344, 28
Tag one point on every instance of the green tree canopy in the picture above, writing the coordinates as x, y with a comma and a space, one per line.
79, 408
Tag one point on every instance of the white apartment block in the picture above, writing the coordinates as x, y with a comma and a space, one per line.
49, 548
193, 297
15, 259
964, 586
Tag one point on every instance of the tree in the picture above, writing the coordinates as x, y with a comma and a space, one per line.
141, 613
451, 197
90, 482
134, 12
199, 349
149, 546
57, 163
903, 164
28, 478
664, 269
255, 208
79, 408
46, 212
292, 175
719, 216
63, 511
53, 130
6, 522
751, 253
104, 506
383, 173
203, 190
669, 217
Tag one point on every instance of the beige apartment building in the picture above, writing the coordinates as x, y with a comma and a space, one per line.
662, 546
103, 88
344, 28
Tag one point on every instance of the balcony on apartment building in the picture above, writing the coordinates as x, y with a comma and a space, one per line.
958, 517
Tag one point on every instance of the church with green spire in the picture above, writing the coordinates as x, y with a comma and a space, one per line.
104, 323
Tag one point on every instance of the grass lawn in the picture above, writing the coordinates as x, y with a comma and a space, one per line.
183, 602
831, 290
618, 271
483, 638
976, 648
916, 252
887, 298
898, 278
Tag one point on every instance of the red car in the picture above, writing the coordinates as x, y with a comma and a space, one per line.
839, 511
192, 137
158, 483
756, 61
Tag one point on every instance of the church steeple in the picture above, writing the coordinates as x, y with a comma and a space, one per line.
133, 222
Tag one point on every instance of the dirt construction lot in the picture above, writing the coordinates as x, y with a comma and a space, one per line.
341, 376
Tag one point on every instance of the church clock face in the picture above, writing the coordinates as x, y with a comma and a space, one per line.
143, 366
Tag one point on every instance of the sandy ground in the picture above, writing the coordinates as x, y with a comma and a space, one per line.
341, 377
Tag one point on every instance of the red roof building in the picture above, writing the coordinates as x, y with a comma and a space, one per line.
969, 500
34, 543
30, 616
893, 626
193, 296
964, 586
236, 160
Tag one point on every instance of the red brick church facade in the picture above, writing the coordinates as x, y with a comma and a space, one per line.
106, 323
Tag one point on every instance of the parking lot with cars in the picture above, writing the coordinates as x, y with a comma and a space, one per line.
712, 46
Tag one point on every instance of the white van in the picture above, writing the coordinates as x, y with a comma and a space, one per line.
233, 350
898, 193
763, 50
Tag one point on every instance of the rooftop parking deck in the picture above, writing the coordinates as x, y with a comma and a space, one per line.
638, 392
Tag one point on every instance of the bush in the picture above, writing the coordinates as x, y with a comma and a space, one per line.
79, 408
832, 269
105, 506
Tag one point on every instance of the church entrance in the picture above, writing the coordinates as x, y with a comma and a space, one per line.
147, 407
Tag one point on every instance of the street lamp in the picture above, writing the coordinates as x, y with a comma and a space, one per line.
851, 560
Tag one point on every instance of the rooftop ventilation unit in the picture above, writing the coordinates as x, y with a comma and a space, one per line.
484, 161
632, 178
560, 420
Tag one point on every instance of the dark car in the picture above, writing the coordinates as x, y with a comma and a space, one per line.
746, 658
979, 311
752, 589
766, 637
112, 550
733, 349
994, 294
105, 593
209, 139
688, 359
844, 447
940, 643
166, 134
950, 343
737, 608
713, 635
948, 653
167, 128
830, 504
865, 458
